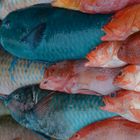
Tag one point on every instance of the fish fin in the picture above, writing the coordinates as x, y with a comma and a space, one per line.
43, 105
34, 37
86, 91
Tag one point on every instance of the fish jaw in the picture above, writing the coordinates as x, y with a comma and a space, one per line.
105, 55
69, 4
123, 24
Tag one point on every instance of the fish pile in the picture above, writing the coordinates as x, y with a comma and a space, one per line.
70, 69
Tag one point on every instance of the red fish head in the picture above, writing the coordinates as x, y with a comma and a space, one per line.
57, 76
105, 55
126, 103
128, 78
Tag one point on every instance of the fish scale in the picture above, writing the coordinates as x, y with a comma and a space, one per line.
53, 34
15, 73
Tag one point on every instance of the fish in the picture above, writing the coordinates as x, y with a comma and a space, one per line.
15, 72
73, 77
94, 6
105, 130
126, 103
11, 130
105, 55
129, 52
123, 24
7, 6
57, 115
128, 78
52, 35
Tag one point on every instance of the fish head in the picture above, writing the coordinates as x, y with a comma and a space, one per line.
22, 35
128, 78
105, 55
126, 103
23, 99
57, 76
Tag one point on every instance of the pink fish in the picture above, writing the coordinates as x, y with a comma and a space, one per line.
105, 55
126, 103
129, 78
130, 50
123, 24
115, 128
73, 77
94, 6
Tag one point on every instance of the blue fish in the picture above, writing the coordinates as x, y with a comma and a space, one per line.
51, 34
54, 114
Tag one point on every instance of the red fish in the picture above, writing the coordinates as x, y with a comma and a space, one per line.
105, 55
115, 128
126, 103
130, 50
123, 24
74, 77
94, 6
129, 78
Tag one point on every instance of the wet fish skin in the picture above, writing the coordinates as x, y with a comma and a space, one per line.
125, 130
130, 50
128, 78
105, 55
15, 73
124, 23
95, 6
73, 77
40, 37
57, 115
126, 103
7, 6
11, 130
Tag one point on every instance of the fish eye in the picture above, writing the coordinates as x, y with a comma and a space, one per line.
120, 73
45, 82
16, 97
77, 136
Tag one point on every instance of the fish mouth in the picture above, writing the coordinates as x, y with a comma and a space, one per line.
3, 97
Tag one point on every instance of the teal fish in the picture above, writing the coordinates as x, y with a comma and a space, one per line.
51, 34
15, 73
57, 115
7, 6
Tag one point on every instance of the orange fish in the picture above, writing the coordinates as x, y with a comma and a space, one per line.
129, 78
94, 6
130, 50
126, 103
105, 55
74, 77
115, 128
123, 24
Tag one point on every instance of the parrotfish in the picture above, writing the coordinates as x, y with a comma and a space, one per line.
125, 103
51, 34
7, 6
15, 73
57, 115
129, 78
94, 6
106, 129
105, 55
11, 130
130, 50
123, 24
74, 77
